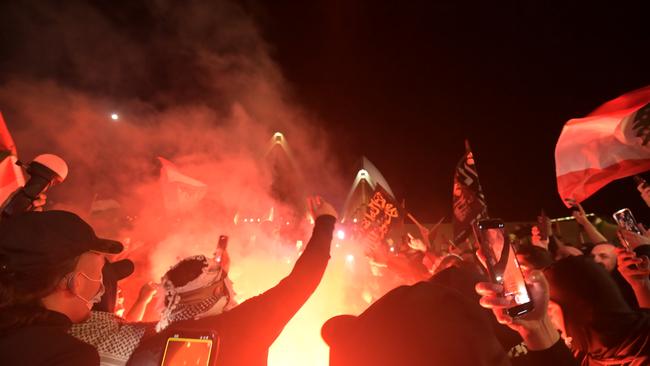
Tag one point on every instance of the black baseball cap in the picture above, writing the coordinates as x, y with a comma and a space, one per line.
424, 324
118, 270
111, 274
35, 240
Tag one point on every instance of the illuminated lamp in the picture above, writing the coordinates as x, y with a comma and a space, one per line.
363, 174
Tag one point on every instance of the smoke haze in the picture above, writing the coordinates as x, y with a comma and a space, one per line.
192, 82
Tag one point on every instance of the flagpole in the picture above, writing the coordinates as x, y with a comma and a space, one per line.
416, 222
468, 150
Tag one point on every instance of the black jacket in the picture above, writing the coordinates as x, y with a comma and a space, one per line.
435, 322
247, 331
46, 343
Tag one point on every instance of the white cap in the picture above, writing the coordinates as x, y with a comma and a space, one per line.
55, 163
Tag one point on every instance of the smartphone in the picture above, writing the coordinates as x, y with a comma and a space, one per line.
191, 348
223, 242
502, 265
625, 220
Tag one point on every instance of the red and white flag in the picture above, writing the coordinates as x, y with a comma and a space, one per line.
610, 143
11, 175
180, 192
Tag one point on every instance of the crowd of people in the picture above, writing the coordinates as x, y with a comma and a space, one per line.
60, 303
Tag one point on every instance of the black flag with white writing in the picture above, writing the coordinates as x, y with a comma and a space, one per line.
382, 213
469, 203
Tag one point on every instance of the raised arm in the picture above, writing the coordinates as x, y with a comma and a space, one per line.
636, 270
592, 232
264, 316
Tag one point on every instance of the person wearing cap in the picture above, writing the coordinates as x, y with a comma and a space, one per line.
50, 277
248, 330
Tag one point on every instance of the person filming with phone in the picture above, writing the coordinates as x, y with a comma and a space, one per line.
436, 322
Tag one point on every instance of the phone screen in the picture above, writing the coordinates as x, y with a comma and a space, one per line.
504, 267
625, 220
181, 350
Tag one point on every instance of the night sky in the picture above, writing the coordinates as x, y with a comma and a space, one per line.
404, 83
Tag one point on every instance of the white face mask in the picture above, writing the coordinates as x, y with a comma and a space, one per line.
100, 292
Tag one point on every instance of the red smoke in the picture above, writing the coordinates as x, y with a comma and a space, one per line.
210, 104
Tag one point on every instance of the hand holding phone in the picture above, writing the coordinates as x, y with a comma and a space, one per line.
631, 240
626, 221
535, 327
634, 269
502, 266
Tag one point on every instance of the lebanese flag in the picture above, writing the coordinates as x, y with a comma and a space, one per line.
180, 192
610, 143
11, 175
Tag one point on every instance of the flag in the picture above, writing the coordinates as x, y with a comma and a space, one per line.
180, 192
11, 175
469, 203
382, 213
610, 143
632, 99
